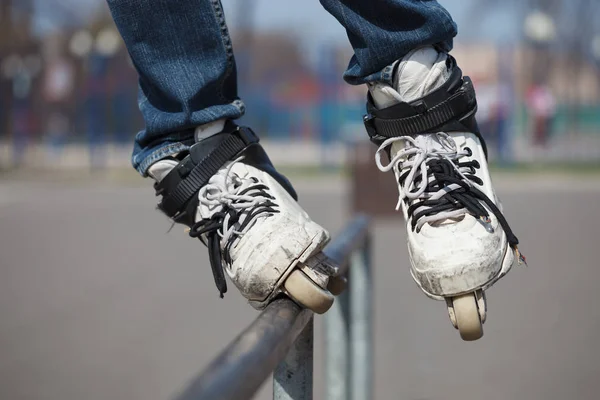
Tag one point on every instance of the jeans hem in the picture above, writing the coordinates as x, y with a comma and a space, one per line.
146, 155
158, 154
386, 75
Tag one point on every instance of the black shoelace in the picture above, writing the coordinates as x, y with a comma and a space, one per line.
466, 196
238, 220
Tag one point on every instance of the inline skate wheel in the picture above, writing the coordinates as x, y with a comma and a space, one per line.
467, 316
337, 285
307, 293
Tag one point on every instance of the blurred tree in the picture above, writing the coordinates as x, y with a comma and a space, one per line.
16, 40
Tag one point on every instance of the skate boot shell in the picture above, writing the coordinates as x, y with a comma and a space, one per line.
227, 192
459, 242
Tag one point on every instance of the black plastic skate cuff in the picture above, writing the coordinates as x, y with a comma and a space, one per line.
421, 116
195, 173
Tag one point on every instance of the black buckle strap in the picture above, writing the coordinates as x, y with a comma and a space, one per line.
201, 170
426, 118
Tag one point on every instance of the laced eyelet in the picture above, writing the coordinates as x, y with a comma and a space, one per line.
240, 204
441, 173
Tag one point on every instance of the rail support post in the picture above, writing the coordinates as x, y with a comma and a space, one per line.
293, 377
361, 323
348, 330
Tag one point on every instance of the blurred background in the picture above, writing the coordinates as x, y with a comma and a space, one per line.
68, 89
98, 302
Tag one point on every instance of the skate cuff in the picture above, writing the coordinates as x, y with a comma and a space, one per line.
440, 110
186, 179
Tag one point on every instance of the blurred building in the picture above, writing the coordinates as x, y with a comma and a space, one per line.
74, 84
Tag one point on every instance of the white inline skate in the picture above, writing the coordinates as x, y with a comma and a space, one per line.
458, 240
228, 193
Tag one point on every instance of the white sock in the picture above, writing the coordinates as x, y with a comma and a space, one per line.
161, 168
420, 72
207, 130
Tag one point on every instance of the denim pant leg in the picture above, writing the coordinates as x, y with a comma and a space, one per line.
184, 57
383, 31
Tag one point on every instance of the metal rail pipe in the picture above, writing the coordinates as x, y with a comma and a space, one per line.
281, 335
249, 360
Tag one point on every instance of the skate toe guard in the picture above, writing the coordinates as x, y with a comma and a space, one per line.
450, 260
262, 261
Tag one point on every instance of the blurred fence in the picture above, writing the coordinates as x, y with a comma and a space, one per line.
68, 96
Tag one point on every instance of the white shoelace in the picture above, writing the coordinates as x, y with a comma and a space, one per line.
226, 192
414, 158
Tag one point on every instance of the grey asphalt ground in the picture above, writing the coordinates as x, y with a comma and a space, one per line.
98, 302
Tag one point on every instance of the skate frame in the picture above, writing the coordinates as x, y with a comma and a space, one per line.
280, 340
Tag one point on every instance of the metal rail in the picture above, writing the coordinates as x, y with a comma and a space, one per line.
280, 340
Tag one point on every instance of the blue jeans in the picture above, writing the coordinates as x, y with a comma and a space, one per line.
184, 57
